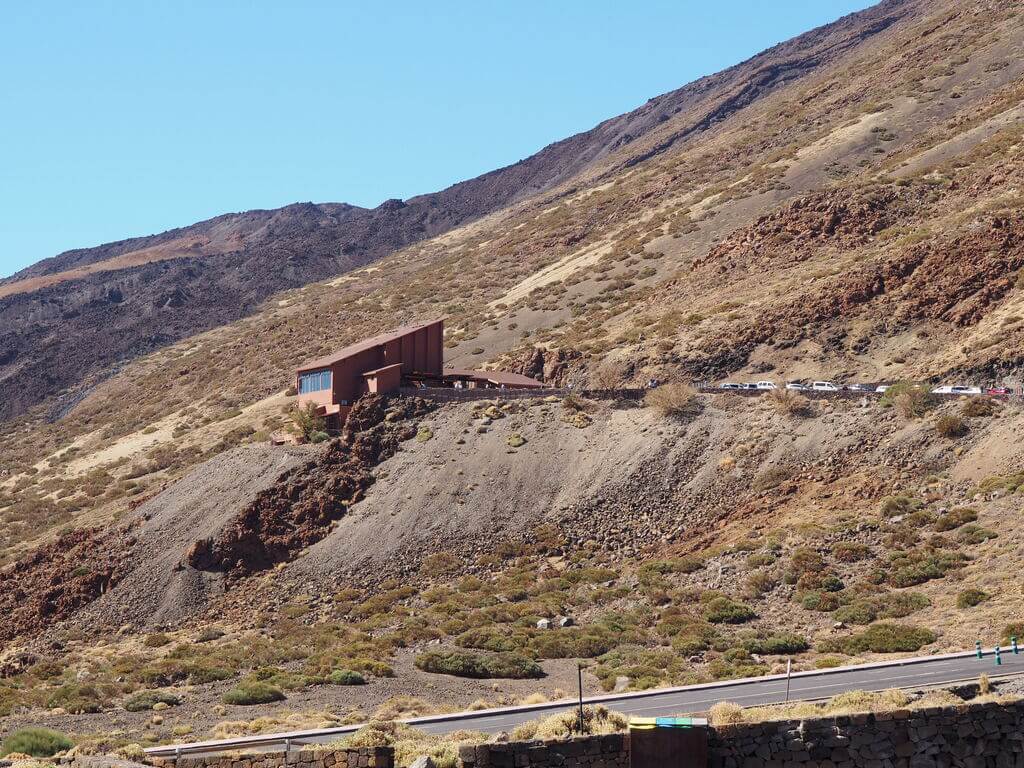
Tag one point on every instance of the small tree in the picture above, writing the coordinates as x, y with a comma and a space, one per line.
306, 424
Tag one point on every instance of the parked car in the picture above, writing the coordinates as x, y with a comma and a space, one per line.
860, 388
765, 385
730, 385
796, 385
956, 389
824, 386
999, 391
882, 387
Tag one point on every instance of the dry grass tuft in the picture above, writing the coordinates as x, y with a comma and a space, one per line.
789, 402
673, 400
596, 720
725, 713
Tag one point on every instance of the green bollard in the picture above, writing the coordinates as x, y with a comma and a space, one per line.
999, 658
977, 648
1013, 642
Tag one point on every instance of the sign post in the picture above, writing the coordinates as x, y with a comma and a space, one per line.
789, 674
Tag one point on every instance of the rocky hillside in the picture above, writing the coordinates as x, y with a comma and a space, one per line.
73, 319
848, 206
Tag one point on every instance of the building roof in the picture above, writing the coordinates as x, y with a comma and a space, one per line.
363, 346
496, 377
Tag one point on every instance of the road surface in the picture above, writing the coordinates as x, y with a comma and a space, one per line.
806, 686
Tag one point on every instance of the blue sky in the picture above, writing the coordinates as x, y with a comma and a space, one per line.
126, 119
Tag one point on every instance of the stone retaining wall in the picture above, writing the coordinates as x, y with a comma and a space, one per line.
364, 757
610, 751
969, 736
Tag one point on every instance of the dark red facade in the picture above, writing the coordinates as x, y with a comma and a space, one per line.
375, 365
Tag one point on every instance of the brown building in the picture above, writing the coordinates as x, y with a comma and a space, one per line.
471, 379
374, 365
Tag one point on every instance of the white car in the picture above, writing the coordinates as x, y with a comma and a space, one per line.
796, 385
825, 386
882, 387
765, 385
731, 385
956, 389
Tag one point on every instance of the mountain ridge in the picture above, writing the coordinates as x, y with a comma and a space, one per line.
190, 282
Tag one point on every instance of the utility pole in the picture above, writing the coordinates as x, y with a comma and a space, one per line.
579, 678
789, 673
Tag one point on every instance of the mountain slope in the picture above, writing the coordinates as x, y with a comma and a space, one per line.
71, 319
862, 222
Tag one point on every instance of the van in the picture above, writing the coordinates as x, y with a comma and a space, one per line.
824, 386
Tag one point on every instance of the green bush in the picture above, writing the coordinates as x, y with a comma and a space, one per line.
955, 518
141, 702
951, 427
975, 534
253, 692
779, 643
78, 699
971, 597
723, 610
857, 612
817, 600
911, 400
509, 666
38, 742
881, 638
210, 634
920, 565
898, 505
346, 677
156, 640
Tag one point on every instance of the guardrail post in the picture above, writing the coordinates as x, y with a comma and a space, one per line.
977, 648
999, 658
1013, 642
287, 745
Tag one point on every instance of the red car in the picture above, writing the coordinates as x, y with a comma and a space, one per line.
998, 391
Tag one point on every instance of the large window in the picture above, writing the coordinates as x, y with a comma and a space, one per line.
316, 381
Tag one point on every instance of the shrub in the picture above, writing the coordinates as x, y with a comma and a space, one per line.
1015, 629
306, 422
779, 643
37, 742
857, 612
346, 677
851, 552
760, 583
978, 406
882, 638
510, 666
253, 692
725, 713
722, 610
898, 505
911, 400
975, 534
78, 699
210, 634
971, 597
515, 440
816, 600
424, 434
955, 518
146, 700
156, 640
920, 565
673, 400
789, 402
951, 426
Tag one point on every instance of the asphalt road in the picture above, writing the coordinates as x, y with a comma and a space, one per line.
676, 701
